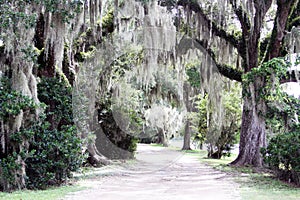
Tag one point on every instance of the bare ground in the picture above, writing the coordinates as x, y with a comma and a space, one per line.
159, 174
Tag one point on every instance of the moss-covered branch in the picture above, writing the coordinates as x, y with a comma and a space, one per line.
224, 69
229, 72
211, 25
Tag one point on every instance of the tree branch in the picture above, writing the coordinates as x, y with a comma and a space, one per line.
261, 8
294, 18
229, 72
224, 69
216, 30
283, 11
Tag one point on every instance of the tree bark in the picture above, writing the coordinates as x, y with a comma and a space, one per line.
162, 137
253, 133
187, 131
96, 158
187, 136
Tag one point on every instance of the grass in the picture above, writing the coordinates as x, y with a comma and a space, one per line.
49, 194
264, 187
156, 145
253, 185
169, 147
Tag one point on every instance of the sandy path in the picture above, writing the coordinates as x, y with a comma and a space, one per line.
160, 174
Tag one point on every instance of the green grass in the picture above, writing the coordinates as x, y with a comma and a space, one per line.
156, 145
49, 194
169, 147
263, 187
253, 185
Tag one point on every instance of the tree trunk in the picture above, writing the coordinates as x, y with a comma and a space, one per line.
162, 138
187, 130
96, 158
253, 135
187, 136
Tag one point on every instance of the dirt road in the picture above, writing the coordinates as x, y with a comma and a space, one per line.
159, 174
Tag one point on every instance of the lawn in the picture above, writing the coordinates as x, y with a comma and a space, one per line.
49, 194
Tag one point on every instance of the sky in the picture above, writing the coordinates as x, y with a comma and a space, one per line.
292, 88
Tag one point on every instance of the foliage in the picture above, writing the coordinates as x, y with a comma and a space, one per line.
54, 151
271, 71
9, 16
227, 135
13, 102
55, 6
57, 95
193, 74
108, 22
17, 15
199, 119
55, 154
13, 13
282, 114
283, 156
56, 147
231, 121
9, 166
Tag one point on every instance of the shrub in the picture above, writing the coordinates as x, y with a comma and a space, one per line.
55, 147
55, 154
283, 156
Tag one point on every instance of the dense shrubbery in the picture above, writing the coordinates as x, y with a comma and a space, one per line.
13, 102
283, 156
56, 147
55, 154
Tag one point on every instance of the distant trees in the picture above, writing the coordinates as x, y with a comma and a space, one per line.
219, 141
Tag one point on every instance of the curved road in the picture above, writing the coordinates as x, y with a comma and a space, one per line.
159, 174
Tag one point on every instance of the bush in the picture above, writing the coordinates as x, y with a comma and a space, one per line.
283, 156
55, 154
55, 147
